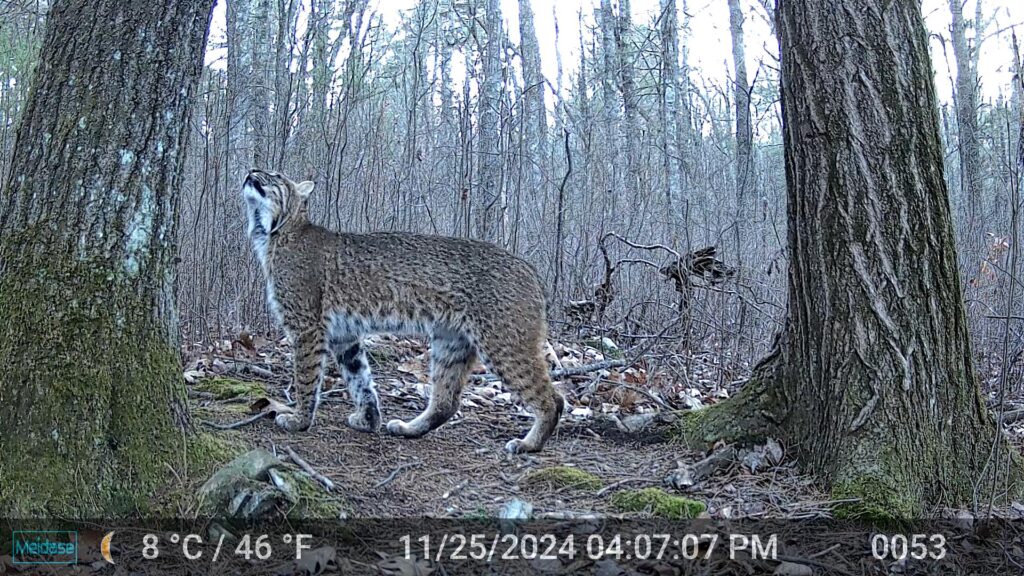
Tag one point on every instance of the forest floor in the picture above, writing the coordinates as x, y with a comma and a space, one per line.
461, 470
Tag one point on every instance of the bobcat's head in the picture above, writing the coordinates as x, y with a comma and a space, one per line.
273, 200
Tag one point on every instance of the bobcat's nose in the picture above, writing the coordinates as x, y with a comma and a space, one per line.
252, 180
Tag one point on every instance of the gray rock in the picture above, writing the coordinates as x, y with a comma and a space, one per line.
240, 488
512, 513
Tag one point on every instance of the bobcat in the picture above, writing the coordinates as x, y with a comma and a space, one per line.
328, 290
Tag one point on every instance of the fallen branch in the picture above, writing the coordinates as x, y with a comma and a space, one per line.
578, 370
615, 485
324, 480
1011, 416
240, 423
241, 365
566, 372
685, 477
394, 473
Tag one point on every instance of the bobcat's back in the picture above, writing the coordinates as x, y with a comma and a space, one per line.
328, 290
418, 280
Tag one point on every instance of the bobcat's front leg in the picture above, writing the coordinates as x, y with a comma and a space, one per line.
308, 375
351, 356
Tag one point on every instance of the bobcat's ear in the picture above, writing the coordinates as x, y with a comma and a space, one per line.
303, 189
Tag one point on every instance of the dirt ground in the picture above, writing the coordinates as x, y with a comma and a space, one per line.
461, 470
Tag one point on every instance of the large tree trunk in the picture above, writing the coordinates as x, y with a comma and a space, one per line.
92, 404
488, 152
668, 112
871, 383
536, 117
608, 73
629, 127
741, 98
966, 99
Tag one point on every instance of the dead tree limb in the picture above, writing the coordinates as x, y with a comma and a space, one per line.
394, 473
240, 423
578, 370
560, 221
312, 473
566, 372
687, 476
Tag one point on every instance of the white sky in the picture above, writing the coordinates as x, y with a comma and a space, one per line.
709, 42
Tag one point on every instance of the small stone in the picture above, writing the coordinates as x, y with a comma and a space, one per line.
513, 512
233, 488
793, 569
774, 451
637, 422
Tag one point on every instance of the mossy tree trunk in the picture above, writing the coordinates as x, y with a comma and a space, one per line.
92, 404
871, 383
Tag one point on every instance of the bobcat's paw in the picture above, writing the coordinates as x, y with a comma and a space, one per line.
396, 428
365, 419
518, 446
292, 422
414, 429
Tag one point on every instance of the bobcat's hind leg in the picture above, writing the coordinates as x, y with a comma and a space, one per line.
351, 357
451, 359
526, 373
308, 367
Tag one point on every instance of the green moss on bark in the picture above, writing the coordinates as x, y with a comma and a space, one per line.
92, 404
877, 498
741, 418
204, 453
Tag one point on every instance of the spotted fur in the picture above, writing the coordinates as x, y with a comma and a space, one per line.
328, 290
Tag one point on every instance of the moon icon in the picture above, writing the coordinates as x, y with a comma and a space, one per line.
105, 547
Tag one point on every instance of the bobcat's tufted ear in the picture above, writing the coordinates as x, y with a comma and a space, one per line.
303, 189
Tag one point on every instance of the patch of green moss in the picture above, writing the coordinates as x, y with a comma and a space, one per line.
878, 500
224, 388
80, 346
236, 410
313, 502
657, 502
740, 419
204, 453
208, 450
563, 477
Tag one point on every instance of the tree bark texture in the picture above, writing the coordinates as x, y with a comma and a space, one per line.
489, 180
534, 84
871, 383
966, 101
741, 99
668, 103
627, 85
92, 404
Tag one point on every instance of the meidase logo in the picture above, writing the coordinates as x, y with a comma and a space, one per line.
44, 547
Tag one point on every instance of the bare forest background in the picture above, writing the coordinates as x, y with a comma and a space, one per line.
611, 178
